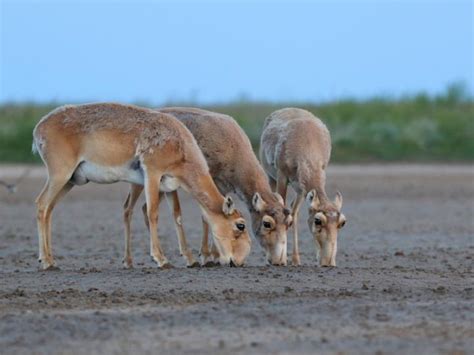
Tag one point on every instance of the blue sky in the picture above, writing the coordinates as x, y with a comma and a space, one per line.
155, 51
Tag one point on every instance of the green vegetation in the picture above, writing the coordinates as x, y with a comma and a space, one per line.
417, 128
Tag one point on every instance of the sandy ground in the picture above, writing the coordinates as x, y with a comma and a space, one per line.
404, 281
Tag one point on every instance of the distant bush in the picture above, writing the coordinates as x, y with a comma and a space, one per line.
417, 128
16, 126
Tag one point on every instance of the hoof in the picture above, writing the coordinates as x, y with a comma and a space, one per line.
50, 268
210, 263
295, 261
155, 260
205, 259
127, 263
269, 263
166, 266
194, 264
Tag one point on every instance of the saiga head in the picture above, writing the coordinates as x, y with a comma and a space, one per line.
325, 220
270, 221
230, 234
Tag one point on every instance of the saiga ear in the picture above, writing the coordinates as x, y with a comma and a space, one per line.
279, 198
338, 200
312, 199
228, 207
258, 203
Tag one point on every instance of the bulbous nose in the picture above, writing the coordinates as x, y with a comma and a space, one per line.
278, 257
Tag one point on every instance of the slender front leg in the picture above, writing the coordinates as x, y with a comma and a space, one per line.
281, 185
215, 253
295, 258
183, 245
145, 213
152, 191
204, 252
130, 202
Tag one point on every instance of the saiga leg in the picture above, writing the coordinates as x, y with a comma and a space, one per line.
204, 252
130, 202
183, 245
152, 191
215, 253
281, 185
295, 258
56, 187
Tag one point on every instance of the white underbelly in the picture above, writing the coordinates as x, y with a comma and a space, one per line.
133, 173
169, 183
88, 171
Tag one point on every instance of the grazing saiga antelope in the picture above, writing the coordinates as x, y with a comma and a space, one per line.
234, 168
107, 143
295, 148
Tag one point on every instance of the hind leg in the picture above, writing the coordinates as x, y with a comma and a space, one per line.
135, 191
61, 163
59, 196
282, 185
56, 187
41, 235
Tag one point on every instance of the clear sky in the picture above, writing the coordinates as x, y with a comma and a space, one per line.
76, 51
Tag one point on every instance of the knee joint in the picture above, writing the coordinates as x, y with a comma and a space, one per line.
127, 214
152, 215
40, 211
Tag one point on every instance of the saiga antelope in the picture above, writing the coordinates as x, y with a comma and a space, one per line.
295, 148
107, 143
234, 168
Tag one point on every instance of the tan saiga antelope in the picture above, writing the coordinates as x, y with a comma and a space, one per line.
107, 143
295, 149
234, 168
